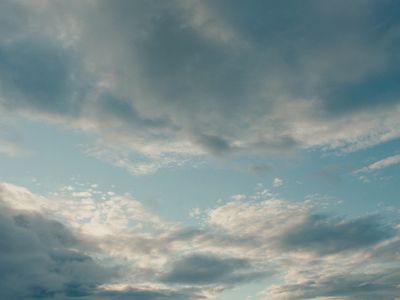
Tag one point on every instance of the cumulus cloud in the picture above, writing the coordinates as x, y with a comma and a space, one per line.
194, 79
40, 258
164, 84
319, 255
284, 227
45, 258
112, 247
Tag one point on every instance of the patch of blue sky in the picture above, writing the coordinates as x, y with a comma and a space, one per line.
58, 159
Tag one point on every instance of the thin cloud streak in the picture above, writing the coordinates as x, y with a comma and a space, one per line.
380, 164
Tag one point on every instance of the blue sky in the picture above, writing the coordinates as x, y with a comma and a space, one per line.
156, 150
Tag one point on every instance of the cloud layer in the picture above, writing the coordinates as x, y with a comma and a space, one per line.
169, 83
205, 78
114, 248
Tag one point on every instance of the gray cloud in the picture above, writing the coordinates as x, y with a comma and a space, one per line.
214, 144
148, 295
123, 111
324, 235
206, 78
203, 269
242, 241
39, 74
42, 259
359, 286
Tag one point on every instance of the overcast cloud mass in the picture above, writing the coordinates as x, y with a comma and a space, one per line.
273, 125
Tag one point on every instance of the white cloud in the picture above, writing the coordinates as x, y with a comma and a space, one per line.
142, 165
380, 164
277, 182
243, 240
195, 213
85, 194
239, 197
20, 198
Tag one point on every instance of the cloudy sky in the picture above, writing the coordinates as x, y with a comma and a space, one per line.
188, 149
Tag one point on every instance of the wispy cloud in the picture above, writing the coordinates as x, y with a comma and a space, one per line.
11, 148
380, 164
137, 164
10, 141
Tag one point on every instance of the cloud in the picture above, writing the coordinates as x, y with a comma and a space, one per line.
12, 149
326, 236
203, 269
138, 164
380, 164
146, 294
42, 259
195, 79
10, 141
104, 246
293, 227
277, 182
318, 255
39, 75
259, 169
354, 286
214, 144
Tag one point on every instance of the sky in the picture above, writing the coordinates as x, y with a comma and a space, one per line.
194, 150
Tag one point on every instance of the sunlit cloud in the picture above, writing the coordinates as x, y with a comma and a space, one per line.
195, 150
380, 164
241, 241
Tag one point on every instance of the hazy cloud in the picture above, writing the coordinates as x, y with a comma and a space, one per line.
277, 182
197, 78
